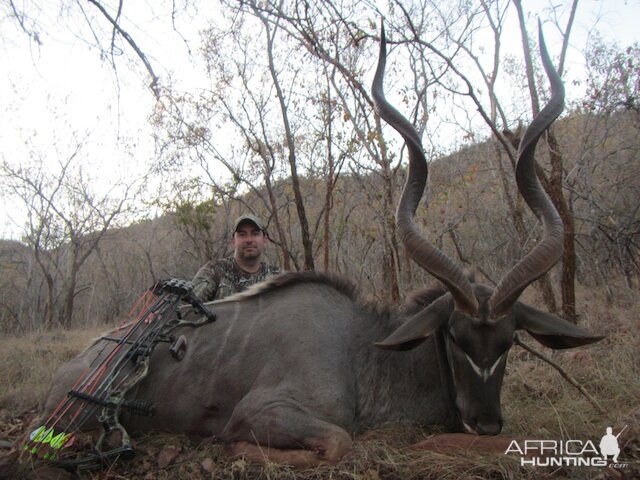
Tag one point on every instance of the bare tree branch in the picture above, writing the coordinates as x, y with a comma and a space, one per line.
154, 85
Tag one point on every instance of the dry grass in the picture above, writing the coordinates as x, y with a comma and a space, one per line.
28, 363
537, 402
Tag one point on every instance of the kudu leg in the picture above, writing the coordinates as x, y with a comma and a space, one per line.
281, 432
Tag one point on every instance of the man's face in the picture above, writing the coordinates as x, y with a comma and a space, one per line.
249, 241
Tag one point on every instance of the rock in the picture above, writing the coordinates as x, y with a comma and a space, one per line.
208, 465
167, 456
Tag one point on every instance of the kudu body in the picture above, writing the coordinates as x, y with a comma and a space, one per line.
290, 369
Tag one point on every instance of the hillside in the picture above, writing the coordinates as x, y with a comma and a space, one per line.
467, 218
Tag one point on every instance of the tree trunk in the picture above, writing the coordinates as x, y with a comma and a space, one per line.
284, 249
295, 181
391, 262
328, 203
554, 189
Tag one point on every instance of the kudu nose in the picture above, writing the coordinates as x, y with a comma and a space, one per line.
482, 427
488, 428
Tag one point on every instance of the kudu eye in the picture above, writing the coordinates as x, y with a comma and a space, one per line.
452, 336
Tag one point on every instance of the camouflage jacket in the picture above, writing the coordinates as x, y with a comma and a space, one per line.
221, 278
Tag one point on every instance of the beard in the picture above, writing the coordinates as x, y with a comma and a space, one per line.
250, 253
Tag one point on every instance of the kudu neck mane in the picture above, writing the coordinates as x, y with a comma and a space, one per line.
415, 301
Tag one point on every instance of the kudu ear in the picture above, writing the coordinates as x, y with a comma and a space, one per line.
420, 326
551, 330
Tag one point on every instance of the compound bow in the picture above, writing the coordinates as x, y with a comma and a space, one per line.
104, 385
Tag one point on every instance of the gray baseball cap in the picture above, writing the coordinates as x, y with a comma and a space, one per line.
250, 219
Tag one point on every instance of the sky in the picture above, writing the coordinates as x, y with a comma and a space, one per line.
61, 91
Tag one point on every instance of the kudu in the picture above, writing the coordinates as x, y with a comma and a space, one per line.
290, 370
